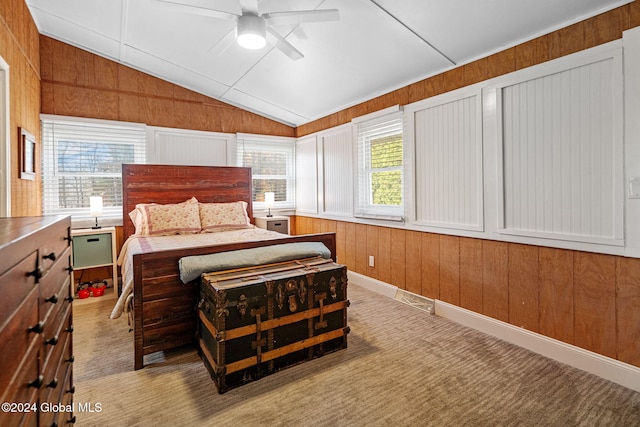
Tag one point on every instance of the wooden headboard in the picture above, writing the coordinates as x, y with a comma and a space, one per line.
174, 184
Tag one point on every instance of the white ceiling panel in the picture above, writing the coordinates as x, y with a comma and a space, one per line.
376, 46
150, 64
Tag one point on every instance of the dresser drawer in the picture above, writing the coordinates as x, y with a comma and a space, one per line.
15, 285
55, 301
15, 336
55, 374
57, 338
55, 241
23, 388
92, 250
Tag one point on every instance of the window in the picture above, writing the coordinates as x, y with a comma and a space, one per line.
83, 158
379, 180
272, 164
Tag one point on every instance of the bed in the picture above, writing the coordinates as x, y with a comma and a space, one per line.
163, 312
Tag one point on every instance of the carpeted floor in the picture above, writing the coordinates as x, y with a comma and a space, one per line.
403, 367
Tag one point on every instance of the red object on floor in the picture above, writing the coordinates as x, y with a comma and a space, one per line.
98, 292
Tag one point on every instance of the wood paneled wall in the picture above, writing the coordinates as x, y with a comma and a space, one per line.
585, 299
81, 84
19, 47
582, 35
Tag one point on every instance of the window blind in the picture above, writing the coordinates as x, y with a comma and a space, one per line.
272, 163
379, 167
83, 158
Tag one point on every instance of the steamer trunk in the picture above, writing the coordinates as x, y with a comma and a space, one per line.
254, 321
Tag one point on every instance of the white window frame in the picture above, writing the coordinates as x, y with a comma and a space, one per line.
282, 145
363, 205
112, 215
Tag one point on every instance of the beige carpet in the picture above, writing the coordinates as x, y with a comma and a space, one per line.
403, 367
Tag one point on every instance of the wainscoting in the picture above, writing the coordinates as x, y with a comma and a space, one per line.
585, 299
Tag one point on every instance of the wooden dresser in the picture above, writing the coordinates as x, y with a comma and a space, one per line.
36, 384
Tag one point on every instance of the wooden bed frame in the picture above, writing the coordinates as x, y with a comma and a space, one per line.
164, 312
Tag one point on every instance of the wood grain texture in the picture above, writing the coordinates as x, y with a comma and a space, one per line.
383, 259
532, 52
450, 269
471, 274
567, 40
86, 85
628, 310
413, 273
634, 14
20, 48
398, 258
523, 286
430, 262
556, 294
495, 280
595, 302
350, 239
361, 249
373, 241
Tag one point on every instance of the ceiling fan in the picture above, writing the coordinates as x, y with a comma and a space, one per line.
253, 28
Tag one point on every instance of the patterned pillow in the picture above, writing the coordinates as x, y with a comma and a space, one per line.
223, 216
156, 220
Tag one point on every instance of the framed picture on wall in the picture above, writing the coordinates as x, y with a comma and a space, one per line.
27, 155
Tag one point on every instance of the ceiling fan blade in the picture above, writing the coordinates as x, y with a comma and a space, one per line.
286, 47
299, 16
199, 10
250, 6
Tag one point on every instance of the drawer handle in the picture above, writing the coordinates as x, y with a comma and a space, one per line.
93, 239
52, 256
71, 360
72, 389
37, 273
37, 383
37, 328
69, 329
52, 341
69, 269
72, 420
69, 299
277, 224
53, 299
53, 383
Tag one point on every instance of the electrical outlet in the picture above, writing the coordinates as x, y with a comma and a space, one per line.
371, 261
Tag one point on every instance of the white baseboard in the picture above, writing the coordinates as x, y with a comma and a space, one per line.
602, 366
372, 284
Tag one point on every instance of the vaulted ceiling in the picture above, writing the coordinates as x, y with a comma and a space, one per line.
375, 47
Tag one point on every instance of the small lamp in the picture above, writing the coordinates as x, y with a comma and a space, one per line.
269, 200
95, 208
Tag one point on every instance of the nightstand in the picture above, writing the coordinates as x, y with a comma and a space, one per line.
95, 247
273, 223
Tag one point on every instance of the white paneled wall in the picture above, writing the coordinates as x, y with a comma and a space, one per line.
307, 175
561, 152
536, 157
447, 153
337, 164
190, 147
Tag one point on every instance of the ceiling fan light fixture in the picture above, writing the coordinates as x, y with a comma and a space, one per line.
251, 31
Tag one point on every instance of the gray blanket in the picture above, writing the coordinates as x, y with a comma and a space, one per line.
191, 267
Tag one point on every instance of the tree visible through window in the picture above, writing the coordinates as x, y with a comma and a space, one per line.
81, 159
379, 180
272, 168
386, 170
